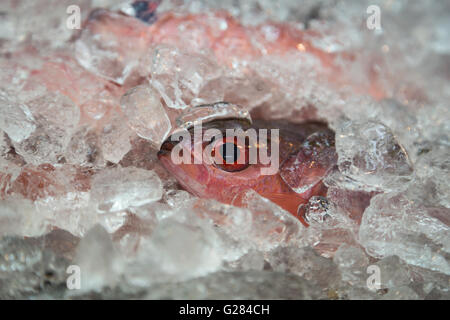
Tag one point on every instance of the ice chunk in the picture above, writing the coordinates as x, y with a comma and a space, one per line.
97, 107
60, 199
30, 267
312, 163
99, 262
317, 210
370, 155
352, 263
433, 171
175, 251
252, 260
250, 91
56, 119
46, 180
179, 76
83, 148
116, 189
353, 203
396, 225
402, 120
394, 272
69, 211
46, 26
16, 217
146, 115
142, 155
204, 113
16, 118
115, 138
111, 44
319, 270
329, 226
267, 225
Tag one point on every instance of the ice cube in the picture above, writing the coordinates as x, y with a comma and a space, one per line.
319, 270
393, 224
311, 164
111, 44
99, 262
250, 91
30, 267
16, 118
370, 155
83, 148
56, 118
394, 272
176, 251
179, 76
146, 114
47, 26
352, 263
116, 189
115, 136
433, 171
267, 225
17, 218
329, 226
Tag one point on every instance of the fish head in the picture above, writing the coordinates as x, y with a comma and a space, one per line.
210, 163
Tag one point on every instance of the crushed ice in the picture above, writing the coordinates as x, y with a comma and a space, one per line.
82, 113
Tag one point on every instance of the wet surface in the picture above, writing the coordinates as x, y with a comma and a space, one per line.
363, 122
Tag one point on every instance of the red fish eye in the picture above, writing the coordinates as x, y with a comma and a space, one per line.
230, 156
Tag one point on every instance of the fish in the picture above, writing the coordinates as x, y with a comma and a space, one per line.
306, 155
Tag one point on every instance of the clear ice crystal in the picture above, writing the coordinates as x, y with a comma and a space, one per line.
83, 148
352, 263
76, 164
267, 225
370, 155
99, 262
16, 118
117, 189
393, 224
329, 225
109, 51
317, 210
313, 162
146, 114
319, 270
115, 138
30, 267
56, 118
180, 76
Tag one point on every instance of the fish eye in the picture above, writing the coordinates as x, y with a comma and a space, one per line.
230, 156
229, 152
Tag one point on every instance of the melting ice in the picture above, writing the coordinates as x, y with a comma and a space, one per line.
82, 113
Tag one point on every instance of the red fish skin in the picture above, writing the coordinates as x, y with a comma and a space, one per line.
208, 181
